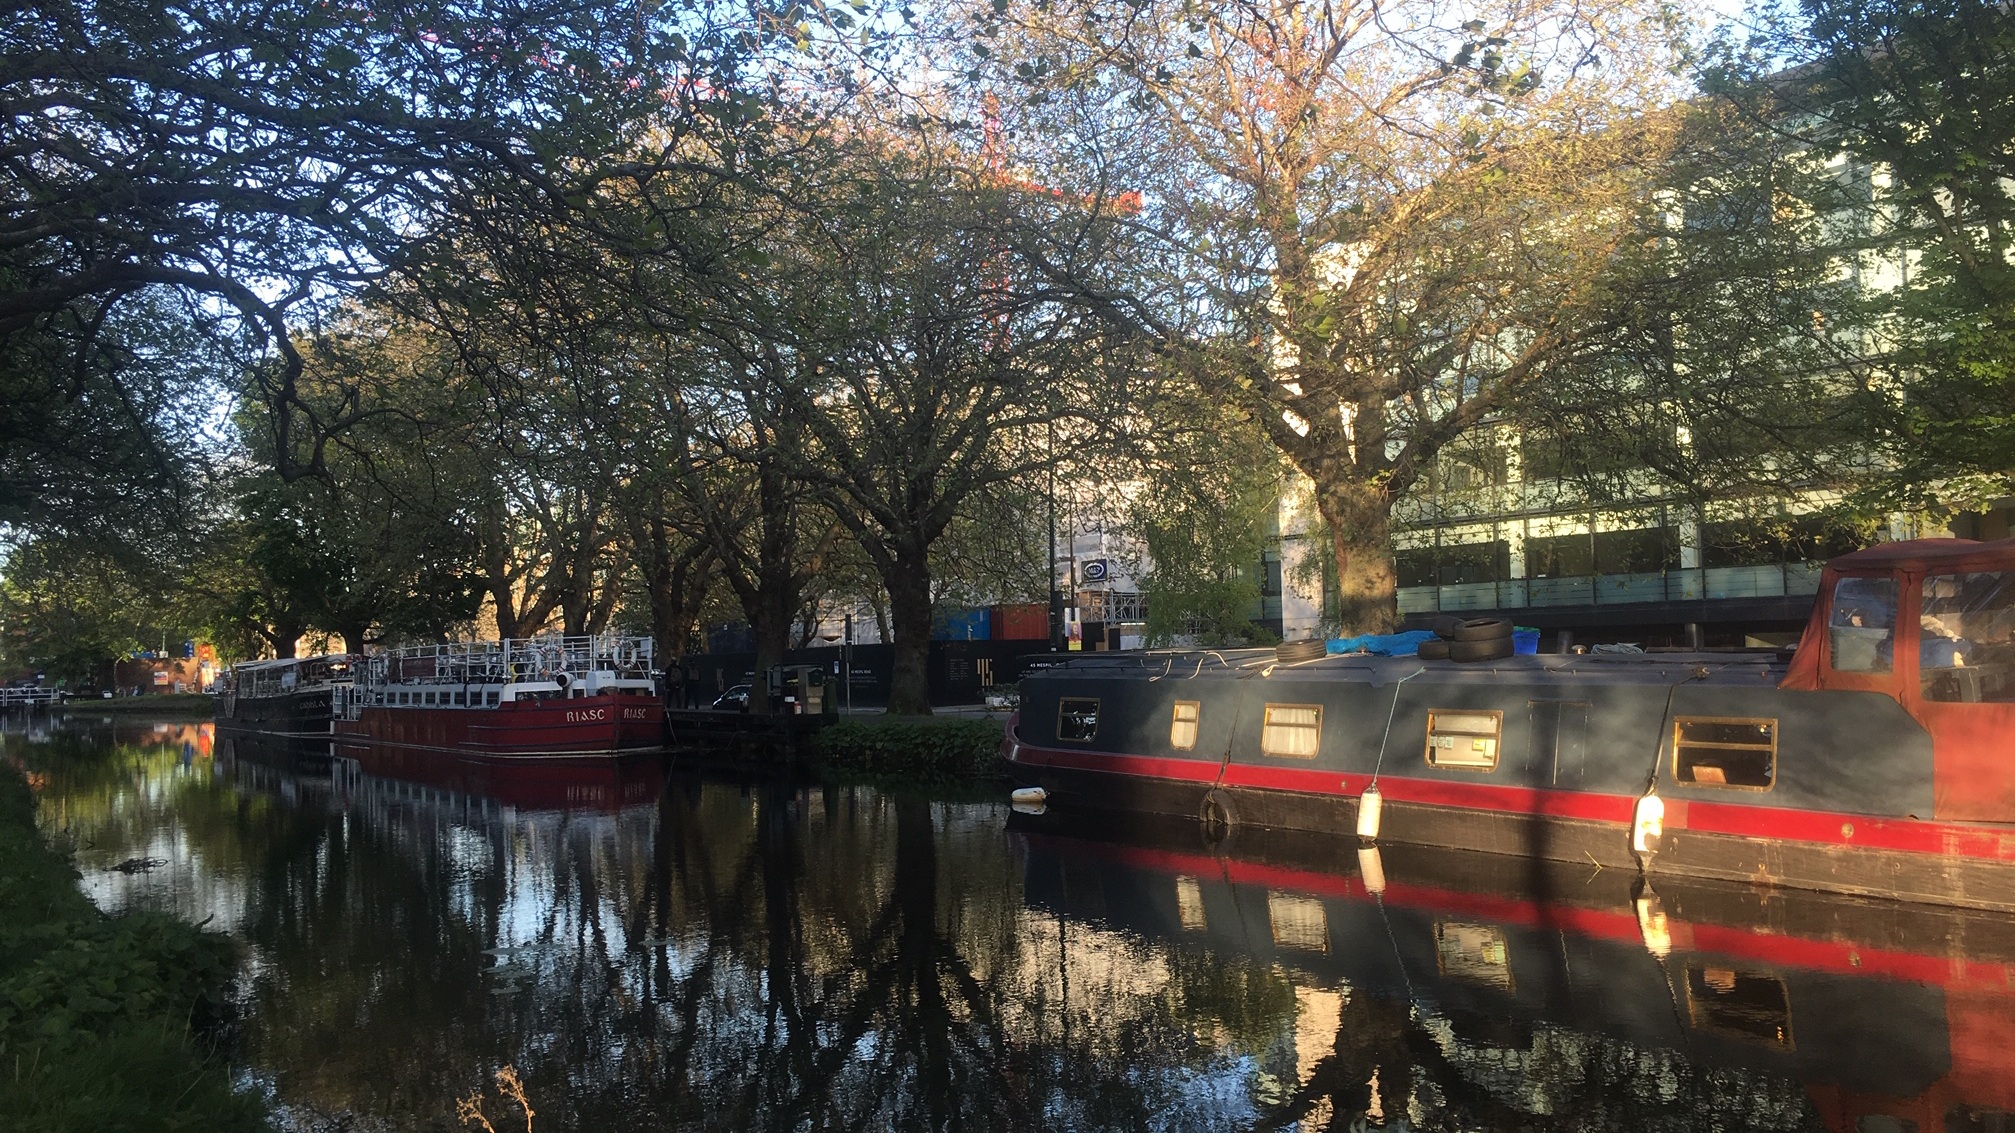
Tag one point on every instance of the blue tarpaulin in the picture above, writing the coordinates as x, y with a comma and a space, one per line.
1384, 644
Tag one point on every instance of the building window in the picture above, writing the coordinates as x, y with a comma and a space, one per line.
1467, 740
1862, 623
1725, 752
1292, 730
1182, 725
1077, 718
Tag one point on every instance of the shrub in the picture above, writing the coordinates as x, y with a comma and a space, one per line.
96, 1012
943, 750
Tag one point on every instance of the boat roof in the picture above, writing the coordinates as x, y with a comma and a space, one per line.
1744, 668
283, 662
1930, 554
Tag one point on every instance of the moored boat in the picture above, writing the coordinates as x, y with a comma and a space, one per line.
287, 698
522, 698
1879, 759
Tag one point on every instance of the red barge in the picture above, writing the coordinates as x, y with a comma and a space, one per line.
543, 698
1878, 759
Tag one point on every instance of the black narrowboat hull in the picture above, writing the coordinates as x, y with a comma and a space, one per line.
1846, 803
307, 714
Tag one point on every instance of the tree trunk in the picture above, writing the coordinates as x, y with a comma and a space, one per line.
353, 636
1360, 527
283, 636
909, 586
770, 618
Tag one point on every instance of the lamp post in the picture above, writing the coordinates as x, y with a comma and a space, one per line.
1055, 595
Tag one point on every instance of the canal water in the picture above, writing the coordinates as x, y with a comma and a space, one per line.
649, 949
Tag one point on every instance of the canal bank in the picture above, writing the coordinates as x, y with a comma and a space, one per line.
104, 1020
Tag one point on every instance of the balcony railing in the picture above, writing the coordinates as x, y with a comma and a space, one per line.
1689, 584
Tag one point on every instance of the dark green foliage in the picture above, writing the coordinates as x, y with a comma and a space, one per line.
97, 1012
937, 750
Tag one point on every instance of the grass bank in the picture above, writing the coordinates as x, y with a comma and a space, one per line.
100, 1016
183, 705
928, 750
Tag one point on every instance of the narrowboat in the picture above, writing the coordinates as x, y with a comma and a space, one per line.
288, 698
1503, 993
522, 698
1877, 758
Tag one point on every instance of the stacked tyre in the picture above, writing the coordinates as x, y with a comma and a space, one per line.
1295, 652
1468, 639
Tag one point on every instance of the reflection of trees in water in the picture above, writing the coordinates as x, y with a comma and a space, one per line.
722, 960
772, 959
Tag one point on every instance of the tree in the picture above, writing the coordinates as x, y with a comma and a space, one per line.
1378, 228
926, 356
1919, 96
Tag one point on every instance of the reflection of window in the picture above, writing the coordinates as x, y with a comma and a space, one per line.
1293, 730
1863, 619
1182, 726
1739, 1005
1468, 740
1725, 752
1077, 718
1476, 953
1189, 904
1298, 922
1966, 643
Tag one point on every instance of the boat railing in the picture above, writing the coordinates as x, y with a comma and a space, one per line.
513, 659
29, 697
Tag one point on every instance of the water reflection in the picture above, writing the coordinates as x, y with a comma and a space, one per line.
663, 952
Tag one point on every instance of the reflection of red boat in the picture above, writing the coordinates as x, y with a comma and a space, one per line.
1888, 1016
1879, 761
539, 698
608, 784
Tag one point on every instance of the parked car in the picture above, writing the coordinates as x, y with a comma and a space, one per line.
735, 699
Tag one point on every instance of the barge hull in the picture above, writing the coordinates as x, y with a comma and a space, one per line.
1558, 826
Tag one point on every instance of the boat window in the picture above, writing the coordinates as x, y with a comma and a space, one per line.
1739, 1005
1725, 752
1862, 624
1466, 739
1189, 904
491, 698
1966, 647
1473, 953
1292, 730
1077, 718
461, 699
1298, 922
1182, 725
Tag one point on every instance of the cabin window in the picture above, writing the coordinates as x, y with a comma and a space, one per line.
1739, 1005
1077, 718
1292, 730
1473, 953
1966, 642
1725, 752
430, 700
1182, 725
1189, 904
491, 698
1464, 739
1862, 625
461, 700
1298, 922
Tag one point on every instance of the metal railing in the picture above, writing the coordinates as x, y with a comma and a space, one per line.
1687, 584
512, 659
29, 697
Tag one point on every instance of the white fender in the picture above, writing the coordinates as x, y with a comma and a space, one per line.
1029, 796
1370, 808
1371, 867
1647, 824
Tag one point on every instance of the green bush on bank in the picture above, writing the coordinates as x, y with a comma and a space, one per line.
934, 750
97, 1013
